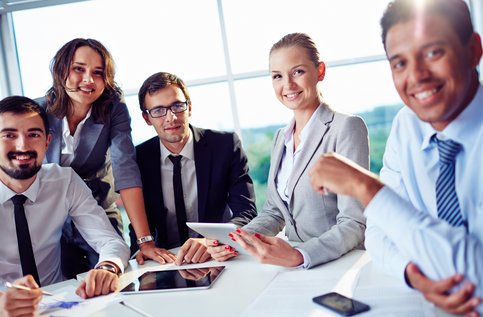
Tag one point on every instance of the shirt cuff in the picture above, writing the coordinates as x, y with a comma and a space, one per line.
307, 261
116, 261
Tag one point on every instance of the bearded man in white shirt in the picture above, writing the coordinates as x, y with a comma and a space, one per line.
51, 194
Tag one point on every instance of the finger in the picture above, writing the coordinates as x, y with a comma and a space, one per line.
90, 283
140, 258
100, 280
456, 303
468, 307
199, 254
28, 281
205, 257
81, 290
212, 243
182, 252
105, 287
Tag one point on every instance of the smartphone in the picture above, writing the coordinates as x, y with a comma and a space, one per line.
341, 304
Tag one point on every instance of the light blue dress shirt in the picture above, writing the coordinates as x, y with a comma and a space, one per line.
402, 223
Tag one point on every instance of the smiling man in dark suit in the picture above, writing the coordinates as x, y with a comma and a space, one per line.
188, 173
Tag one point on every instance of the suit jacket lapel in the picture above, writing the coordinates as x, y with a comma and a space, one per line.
89, 136
277, 153
203, 167
312, 143
154, 186
55, 146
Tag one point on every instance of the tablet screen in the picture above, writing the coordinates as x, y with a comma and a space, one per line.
174, 280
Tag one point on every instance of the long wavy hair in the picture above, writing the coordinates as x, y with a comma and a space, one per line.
58, 102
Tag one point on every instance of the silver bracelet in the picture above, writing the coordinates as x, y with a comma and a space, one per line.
144, 239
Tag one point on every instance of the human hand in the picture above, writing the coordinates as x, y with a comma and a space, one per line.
148, 250
340, 175
18, 302
98, 282
194, 274
270, 250
461, 302
220, 252
192, 251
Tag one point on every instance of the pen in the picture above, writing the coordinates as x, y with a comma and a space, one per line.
25, 288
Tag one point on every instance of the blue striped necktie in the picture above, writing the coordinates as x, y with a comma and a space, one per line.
446, 197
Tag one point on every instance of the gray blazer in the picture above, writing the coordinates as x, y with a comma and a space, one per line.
105, 157
324, 227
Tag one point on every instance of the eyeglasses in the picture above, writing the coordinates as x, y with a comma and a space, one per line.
161, 111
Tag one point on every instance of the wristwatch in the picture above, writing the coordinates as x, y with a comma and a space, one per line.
108, 267
144, 239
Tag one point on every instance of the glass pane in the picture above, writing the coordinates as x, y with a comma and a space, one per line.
206, 112
363, 89
341, 29
143, 36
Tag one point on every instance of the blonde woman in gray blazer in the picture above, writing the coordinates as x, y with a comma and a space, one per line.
319, 228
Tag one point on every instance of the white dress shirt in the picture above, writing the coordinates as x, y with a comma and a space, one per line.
289, 160
190, 189
56, 193
70, 142
402, 223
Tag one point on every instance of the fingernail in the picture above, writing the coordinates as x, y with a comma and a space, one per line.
238, 230
236, 253
215, 242
257, 235
230, 235
233, 239
227, 247
232, 250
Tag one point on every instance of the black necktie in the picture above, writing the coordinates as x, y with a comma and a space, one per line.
179, 198
25, 250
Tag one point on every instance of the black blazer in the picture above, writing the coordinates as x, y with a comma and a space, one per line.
222, 179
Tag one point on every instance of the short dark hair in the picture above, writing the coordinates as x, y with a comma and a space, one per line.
21, 105
299, 40
159, 81
456, 11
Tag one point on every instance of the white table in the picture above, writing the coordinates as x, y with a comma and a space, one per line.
244, 279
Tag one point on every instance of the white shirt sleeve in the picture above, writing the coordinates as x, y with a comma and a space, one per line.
94, 226
439, 249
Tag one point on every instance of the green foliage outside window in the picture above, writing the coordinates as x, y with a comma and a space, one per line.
258, 145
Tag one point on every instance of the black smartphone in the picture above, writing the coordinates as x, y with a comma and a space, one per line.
341, 304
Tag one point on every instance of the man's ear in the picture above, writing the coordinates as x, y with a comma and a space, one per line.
321, 71
147, 118
189, 109
49, 138
476, 49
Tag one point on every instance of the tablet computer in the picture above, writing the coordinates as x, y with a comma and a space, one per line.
174, 280
217, 231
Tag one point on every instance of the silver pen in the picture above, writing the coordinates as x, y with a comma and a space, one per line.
25, 288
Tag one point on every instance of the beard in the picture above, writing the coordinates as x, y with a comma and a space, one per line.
23, 171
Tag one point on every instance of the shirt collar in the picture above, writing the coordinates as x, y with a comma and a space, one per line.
65, 123
31, 193
462, 127
187, 151
305, 131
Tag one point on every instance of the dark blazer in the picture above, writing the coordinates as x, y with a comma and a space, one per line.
222, 179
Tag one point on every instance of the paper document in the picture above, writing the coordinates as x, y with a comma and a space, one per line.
65, 302
290, 293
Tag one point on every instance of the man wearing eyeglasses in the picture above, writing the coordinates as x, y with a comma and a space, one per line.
214, 185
